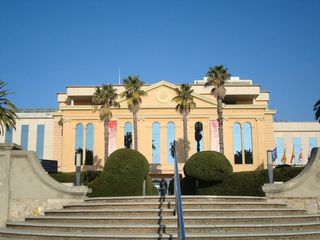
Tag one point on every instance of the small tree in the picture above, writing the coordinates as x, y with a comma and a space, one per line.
7, 110
128, 140
197, 134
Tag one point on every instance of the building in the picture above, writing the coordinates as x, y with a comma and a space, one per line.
294, 141
249, 130
34, 132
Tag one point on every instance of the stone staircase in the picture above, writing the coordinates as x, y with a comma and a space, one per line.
206, 217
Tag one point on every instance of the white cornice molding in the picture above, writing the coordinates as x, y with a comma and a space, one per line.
173, 87
244, 106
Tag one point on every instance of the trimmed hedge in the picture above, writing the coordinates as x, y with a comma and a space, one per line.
208, 166
69, 177
123, 175
238, 184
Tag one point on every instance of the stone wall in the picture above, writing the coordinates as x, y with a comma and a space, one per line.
26, 189
303, 191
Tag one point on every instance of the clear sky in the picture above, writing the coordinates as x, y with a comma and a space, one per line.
47, 45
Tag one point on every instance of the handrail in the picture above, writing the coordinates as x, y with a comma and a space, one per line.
177, 193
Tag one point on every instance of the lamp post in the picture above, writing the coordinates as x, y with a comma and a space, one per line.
270, 163
78, 168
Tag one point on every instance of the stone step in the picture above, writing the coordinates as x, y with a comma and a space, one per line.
19, 234
164, 228
192, 198
206, 217
173, 219
171, 205
170, 212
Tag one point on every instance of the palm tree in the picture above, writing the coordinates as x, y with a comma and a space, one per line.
7, 110
316, 110
105, 97
217, 76
185, 103
133, 94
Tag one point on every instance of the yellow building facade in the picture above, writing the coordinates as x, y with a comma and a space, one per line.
248, 125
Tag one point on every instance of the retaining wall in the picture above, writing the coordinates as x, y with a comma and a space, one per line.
303, 190
25, 188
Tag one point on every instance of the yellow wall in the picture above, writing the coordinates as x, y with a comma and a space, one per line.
158, 107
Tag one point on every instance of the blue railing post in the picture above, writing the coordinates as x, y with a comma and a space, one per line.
177, 193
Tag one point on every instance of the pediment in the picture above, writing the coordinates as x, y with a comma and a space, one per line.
161, 93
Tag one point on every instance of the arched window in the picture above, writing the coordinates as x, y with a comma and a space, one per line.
156, 142
247, 137
89, 144
237, 145
79, 140
170, 141
198, 137
128, 135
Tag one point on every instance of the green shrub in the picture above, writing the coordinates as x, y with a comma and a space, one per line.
88, 176
285, 174
188, 185
64, 177
123, 175
208, 166
69, 177
150, 188
238, 184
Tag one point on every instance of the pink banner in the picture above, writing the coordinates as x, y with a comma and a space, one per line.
214, 132
112, 128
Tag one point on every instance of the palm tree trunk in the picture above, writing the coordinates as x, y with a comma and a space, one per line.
135, 131
106, 140
220, 122
185, 136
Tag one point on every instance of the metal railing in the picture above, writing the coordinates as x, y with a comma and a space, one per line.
177, 194
37, 110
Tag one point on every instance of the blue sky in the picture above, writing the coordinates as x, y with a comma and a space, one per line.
47, 45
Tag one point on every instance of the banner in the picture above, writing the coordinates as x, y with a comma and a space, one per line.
214, 133
112, 128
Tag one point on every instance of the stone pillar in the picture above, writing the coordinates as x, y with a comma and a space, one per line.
5, 152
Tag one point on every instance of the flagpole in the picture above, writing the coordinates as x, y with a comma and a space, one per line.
293, 156
119, 77
270, 169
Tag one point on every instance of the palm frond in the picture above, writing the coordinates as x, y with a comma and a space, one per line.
184, 99
316, 109
7, 110
104, 98
216, 77
133, 92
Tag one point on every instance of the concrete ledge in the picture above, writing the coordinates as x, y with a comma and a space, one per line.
44, 177
301, 191
26, 188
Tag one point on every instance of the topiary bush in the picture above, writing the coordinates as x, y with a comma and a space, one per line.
123, 175
188, 185
208, 166
238, 184
88, 176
